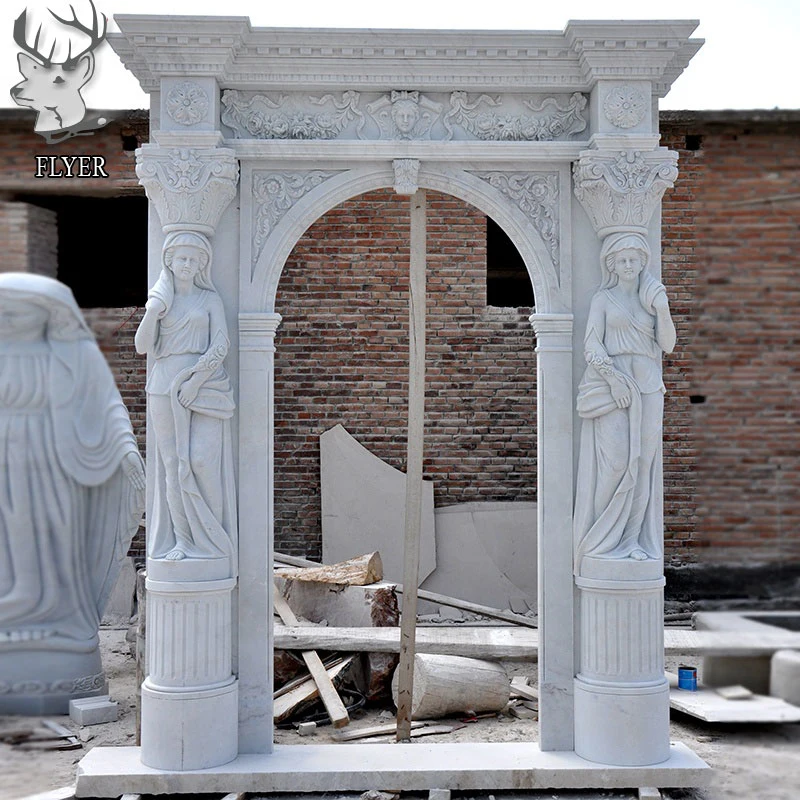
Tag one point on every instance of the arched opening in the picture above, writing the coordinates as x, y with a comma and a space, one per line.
342, 358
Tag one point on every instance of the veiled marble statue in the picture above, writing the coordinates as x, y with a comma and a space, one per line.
71, 496
618, 504
191, 403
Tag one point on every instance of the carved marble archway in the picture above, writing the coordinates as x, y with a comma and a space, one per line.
552, 134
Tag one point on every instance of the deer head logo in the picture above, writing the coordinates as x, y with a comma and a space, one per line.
53, 89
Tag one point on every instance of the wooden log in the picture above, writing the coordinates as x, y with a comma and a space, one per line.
434, 597
360, 571
327, 692
452, 685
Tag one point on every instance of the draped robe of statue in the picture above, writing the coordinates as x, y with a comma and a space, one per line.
68, 511
184, 514
628, 521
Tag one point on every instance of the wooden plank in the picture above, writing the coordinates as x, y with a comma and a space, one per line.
293, 684
415, 446
521, 688
433, 597
427, 730
373, 730
308, 690
327, 692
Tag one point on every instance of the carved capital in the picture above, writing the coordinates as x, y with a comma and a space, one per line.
257, 331
190, 187
406, 175
620, 190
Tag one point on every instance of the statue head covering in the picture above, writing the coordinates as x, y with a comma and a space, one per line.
164, 287
66, 321
613, 244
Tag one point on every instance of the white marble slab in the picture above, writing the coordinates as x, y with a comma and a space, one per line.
709, 706
112, 771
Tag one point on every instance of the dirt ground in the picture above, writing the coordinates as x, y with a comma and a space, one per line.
751, 762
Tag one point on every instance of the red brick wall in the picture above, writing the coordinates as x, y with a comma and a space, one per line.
28, 239
745, 353
342, 357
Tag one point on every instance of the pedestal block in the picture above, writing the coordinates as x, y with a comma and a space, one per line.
621, 694
190, 698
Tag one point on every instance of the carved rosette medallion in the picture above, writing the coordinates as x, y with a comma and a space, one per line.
536, 195
259, 116
187, 103
625, 106
190, 187
274, 193
620, 190
406, 175
550, 119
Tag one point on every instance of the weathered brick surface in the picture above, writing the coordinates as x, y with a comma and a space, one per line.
342, 357
28, 239
745, 359
731, 463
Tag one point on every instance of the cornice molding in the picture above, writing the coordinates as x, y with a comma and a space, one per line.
242, 57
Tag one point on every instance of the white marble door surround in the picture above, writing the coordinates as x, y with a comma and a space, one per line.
256, 133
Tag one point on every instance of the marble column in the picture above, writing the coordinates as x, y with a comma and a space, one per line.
256, 490
190, 696
554, 489
621, 695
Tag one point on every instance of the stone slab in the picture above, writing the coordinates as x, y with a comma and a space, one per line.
93, 710
486, 553
363, 507
709, 706
784, 676
111, 771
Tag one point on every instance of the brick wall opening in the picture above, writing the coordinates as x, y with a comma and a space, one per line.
342, 357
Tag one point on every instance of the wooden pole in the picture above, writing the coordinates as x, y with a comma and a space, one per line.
416, 424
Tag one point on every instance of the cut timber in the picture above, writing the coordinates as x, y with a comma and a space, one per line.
359, 571
451, 685
425, 730
432, 597
288, 703
521, 688
327, 692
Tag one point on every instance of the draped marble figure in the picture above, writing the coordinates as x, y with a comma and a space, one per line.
71, 485
191, 403
618, 504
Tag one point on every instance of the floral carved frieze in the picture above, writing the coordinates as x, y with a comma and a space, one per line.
625, 106
88, 683
621, 189
290, 116
549, 121
404, 114
187, 103
536, 196
274, 193
190, 187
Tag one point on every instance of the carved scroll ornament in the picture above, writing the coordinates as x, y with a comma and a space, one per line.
549, 120
536, 195
260, 117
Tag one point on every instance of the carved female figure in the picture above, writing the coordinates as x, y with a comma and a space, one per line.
620, 398
71, 478
191, 403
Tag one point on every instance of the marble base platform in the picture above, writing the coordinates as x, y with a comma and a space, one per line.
114, 771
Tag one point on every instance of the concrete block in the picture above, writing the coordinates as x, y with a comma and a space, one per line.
93, 710
307, 728
784, 676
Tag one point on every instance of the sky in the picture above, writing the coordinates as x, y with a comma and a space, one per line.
746, 62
